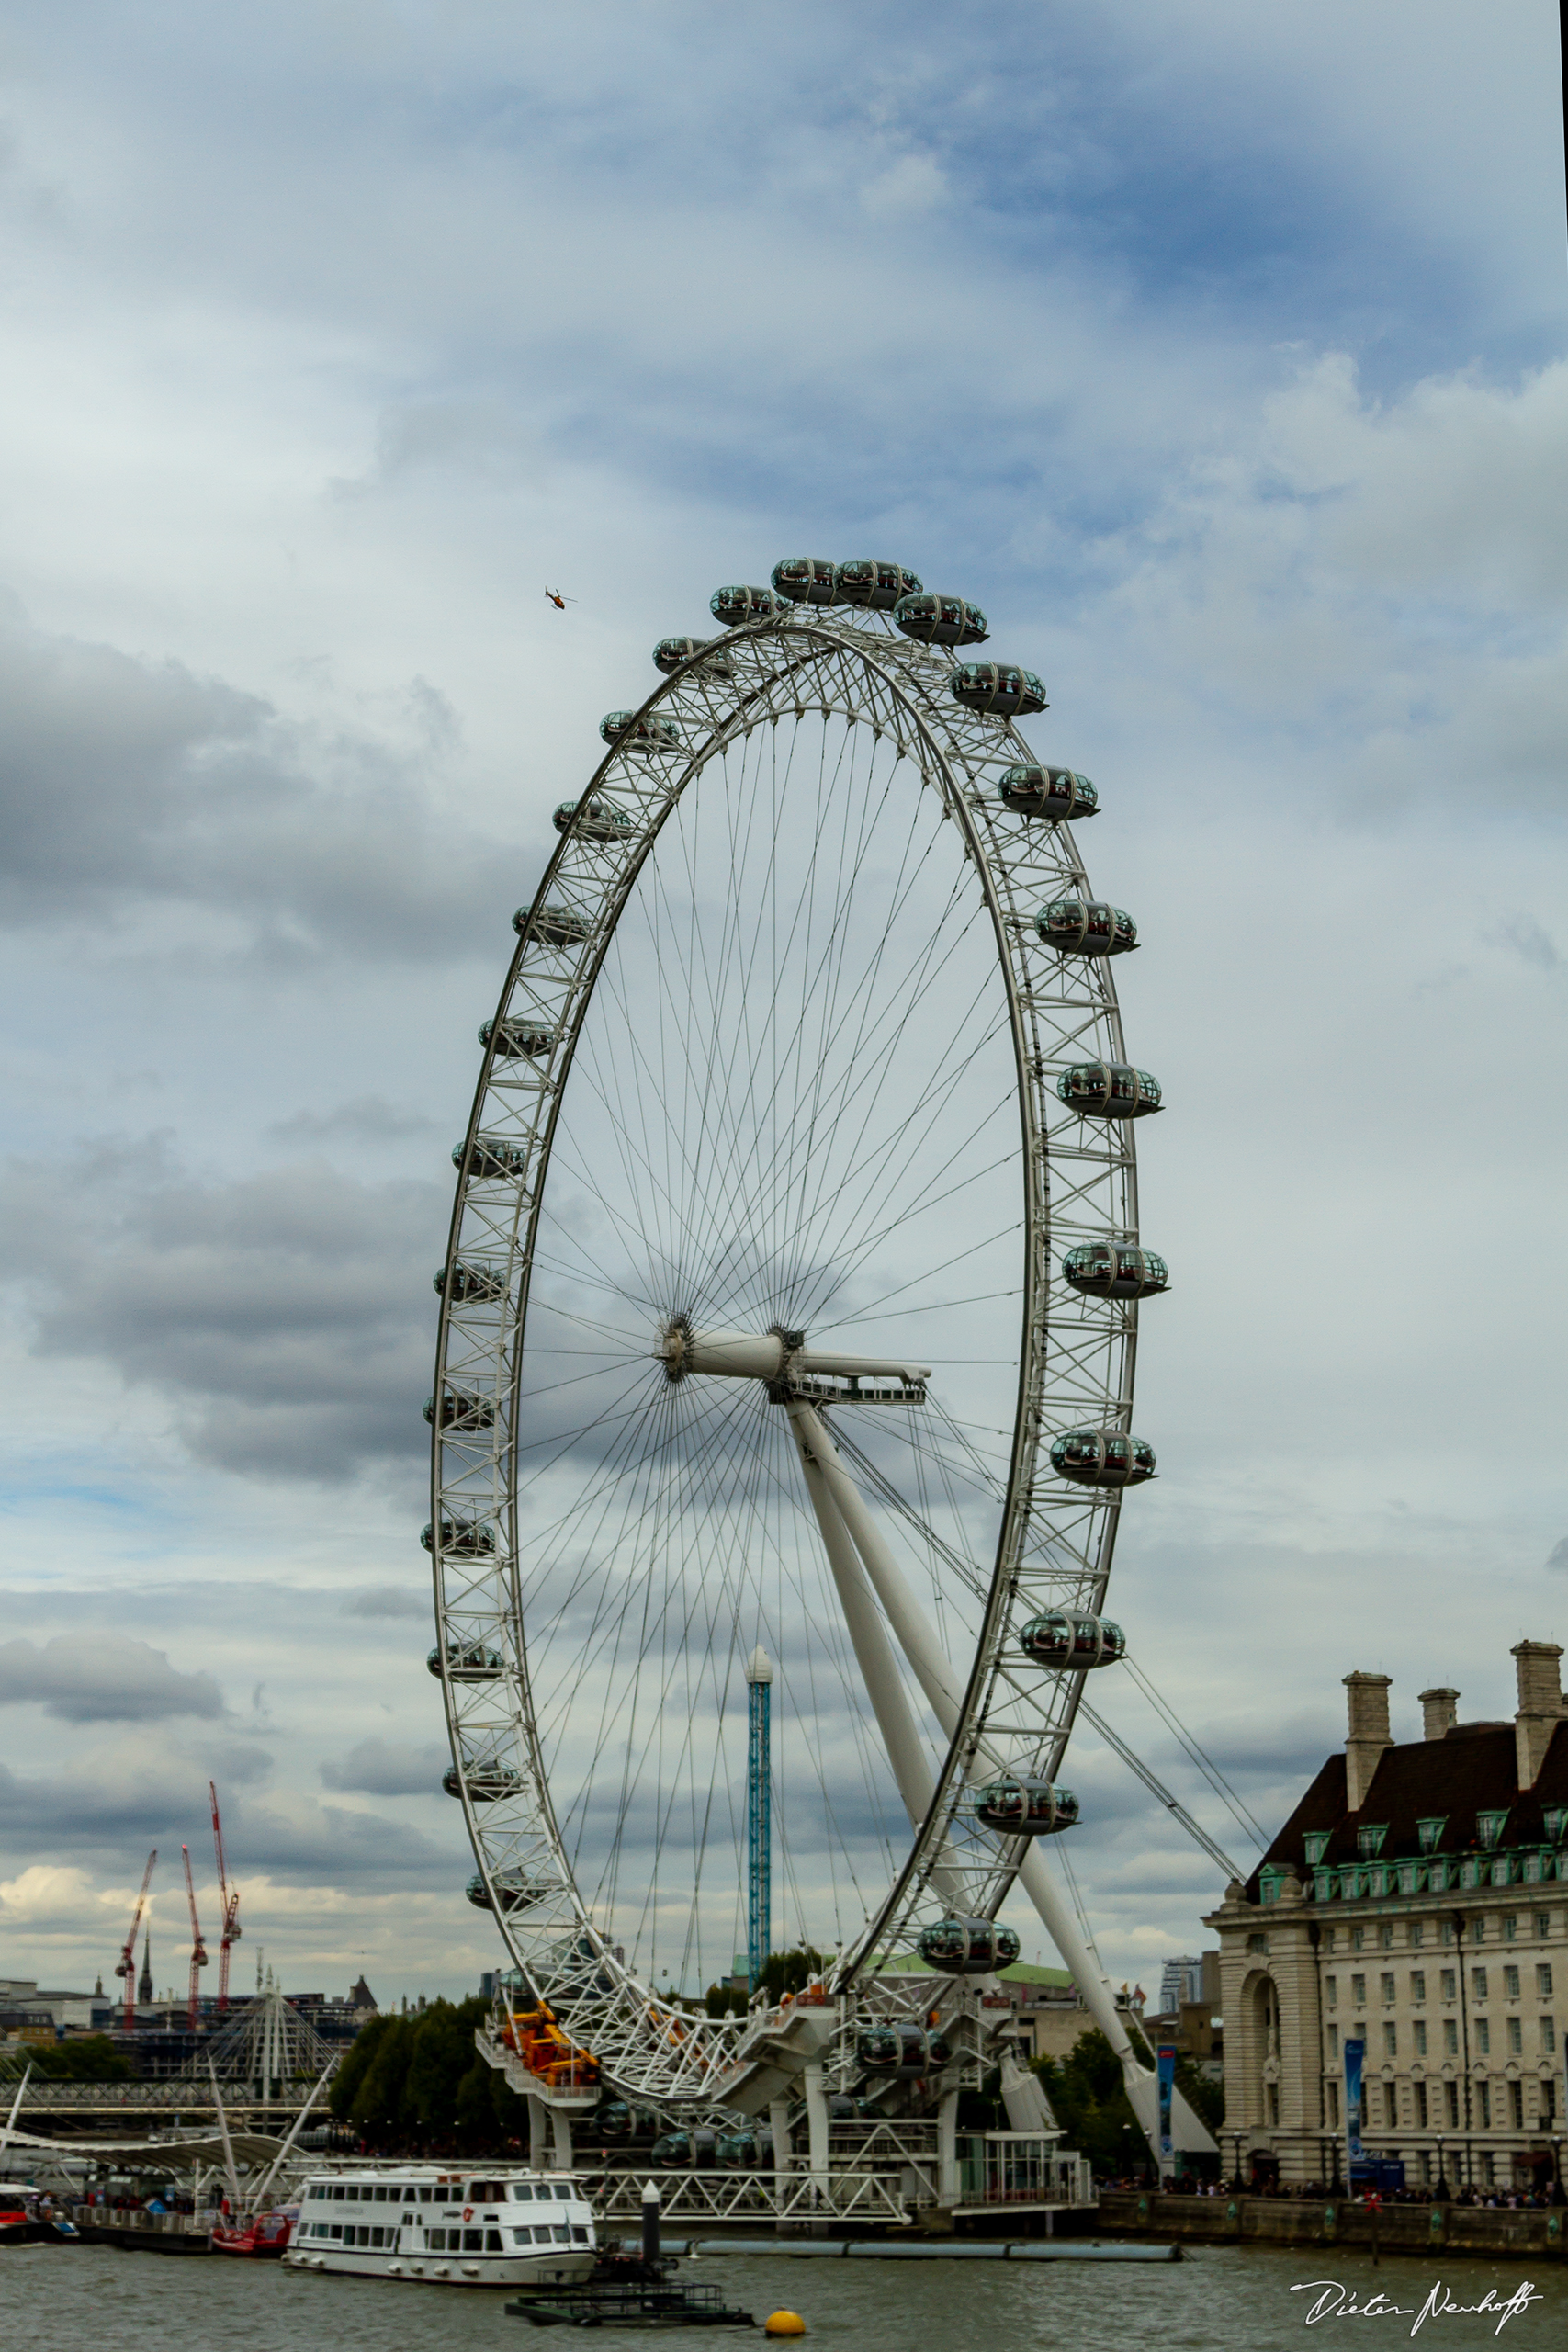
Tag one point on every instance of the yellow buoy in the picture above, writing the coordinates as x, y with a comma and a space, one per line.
785, 2323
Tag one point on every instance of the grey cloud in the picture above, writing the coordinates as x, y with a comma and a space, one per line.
1558, 1555
387, 1600
1530, 943
381, 1770
126, 785
287, 1314
368, 1118
94, 1678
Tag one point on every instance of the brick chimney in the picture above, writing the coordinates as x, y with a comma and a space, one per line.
1439, 1710
1369, 1735
1541, 1705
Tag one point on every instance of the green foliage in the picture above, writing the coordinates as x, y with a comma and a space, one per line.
1086, 2091
725, 2001
412, 2079
791, 1972
93, 2059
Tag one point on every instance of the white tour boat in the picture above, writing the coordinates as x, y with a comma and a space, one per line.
503, 2226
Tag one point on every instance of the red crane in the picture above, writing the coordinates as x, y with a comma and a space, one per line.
198, 1949
228, 1896
126, 1964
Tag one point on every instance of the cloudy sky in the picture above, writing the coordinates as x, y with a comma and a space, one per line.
1218, 351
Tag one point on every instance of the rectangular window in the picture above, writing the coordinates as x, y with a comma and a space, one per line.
1478, 1932
1515, 2038
1489, 1826
1420, 2032
1450, 2096
1482, 2038
1444, 1931
1548, 2036
379, 2194
473, 2241
335, 2229
1328, 1939
1389, 1993
1451, 2038
563, 2193
1484, 2102
1331, 1984
563, 2234
379, 2237
425, 2194
1478, 1982
1547, 2103
1418, 1983
1334, 2106
1317, 1842
1488, 2170
1510, 1983
1430, 1831
1334, 2042
1510, 1926
1385, 1935
522, 2193
1357, 1937
522, 2237
1421, 2107
1517, 2105
1370, 1840
1417, 1933
1359, 1992
578, 2234
1447, 1982
1542, 1925
1389, 2042
493, 2241
1543, 1981
542, 2235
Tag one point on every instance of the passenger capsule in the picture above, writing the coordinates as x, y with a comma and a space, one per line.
628, 732
470, 1285
672, 652
1071, 1644
1001, 688
1101, 1458
465, 1539
1115, 1270
493, 1156
514, 1038
880, 585
599, 820
1108, 1090
1086, 927
555, 926
940, 620
474, 1663
733, 606
460, 1409
1020, 1807
685, 2147
967, 1946
611, 2119
906, 2050
513, 1892
487, 1778
806, 580
1055, 794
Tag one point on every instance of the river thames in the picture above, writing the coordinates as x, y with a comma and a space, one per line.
1219, 2299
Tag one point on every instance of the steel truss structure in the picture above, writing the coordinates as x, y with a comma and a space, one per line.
734, 1107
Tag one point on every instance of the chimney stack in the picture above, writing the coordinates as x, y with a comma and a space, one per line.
1369, 1735
1541, 1705
1439, 1710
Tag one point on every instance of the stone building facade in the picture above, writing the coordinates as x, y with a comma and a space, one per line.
1418, 1897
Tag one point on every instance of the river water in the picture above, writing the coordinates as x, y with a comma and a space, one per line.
1221, 2299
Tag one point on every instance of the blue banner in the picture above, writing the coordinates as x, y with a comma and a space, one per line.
1167, 2062
1354, 2053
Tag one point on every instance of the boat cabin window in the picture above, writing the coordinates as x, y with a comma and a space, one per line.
522, 2193
564, 2192
487, 2192
425, 2193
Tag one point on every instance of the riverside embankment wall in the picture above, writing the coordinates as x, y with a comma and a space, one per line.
1426, 2227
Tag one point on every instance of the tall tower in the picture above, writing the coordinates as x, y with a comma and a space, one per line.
144, 1989
759, 1814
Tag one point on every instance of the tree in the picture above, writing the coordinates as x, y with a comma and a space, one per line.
93, 2059
790, 1971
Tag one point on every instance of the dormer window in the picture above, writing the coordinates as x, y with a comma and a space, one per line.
1317, 1844
1555, 1822
1430, 1831
1489, 1827
1369, 1841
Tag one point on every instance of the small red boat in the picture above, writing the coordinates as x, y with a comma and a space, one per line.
263, 2234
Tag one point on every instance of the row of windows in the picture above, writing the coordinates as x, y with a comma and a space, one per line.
477, 2192
1508, 1925
1371, 1836
442, 2241
1481, 2029
1435, 2107
1447, 1983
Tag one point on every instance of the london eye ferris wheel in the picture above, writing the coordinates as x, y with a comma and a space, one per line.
790, 1303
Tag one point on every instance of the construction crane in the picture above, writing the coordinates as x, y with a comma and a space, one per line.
126, 1964
198, 1949
228, 1896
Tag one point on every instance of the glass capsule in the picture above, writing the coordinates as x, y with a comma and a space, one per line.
967, 1946
467, 1539
1021, 1807
940, 620
1070, 1642
462, 1410
1101, 1458
733, 606
555, 926
806, 580
672, 652
493, 1156
1115, 1270
472, 1665
871, 582
1055, 794
486, 1779
1001, 688
513, 1893
628, 732
599, 820
468, 1286
1086, 927
1108, 1090
514, 1038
